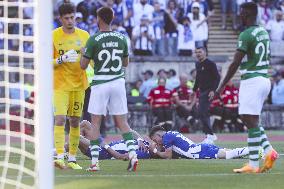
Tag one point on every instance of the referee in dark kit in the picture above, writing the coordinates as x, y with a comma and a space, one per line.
207, 81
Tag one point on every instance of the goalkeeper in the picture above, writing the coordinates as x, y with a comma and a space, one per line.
70, 82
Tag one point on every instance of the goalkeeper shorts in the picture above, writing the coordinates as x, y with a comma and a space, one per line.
68, 103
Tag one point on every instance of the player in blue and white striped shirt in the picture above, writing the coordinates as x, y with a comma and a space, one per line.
177, 145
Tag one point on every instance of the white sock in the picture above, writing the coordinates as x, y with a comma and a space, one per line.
237, 152
71, 158
60, 156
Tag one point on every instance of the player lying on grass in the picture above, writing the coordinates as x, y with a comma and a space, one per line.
115, 149
177, 145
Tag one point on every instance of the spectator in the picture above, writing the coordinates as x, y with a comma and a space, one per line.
278, 89
171, 19
199, 26
172, 81
264, 12
230, 101
281, 6
143, 37
158, 24
140, 9
93, 25
203, 5
190, 83
87, 7
185, 100
119, 9
135, 96
185, 38
56, 20
135, 90
80, 23
162, 73
275, 27
128, 17
160, 100
148, 84
231, 7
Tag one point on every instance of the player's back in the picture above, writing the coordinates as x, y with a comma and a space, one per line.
255, 43
69, 76
178, 142
107, 49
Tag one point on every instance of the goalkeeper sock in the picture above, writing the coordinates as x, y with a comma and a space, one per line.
237, 152
74, 138
95, 147
59, 138
265, 144
253, 146
129, 144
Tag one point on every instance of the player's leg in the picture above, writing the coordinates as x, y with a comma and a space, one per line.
60, 102
117, 107
121, 123
76, 102
232, 153
251, 121
99, 99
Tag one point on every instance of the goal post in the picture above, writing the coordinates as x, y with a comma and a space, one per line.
26, 79
44, 84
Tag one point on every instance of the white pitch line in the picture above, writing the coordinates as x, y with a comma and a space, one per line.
181, 175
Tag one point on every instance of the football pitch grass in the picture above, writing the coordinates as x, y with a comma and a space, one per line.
168, 174
175, 174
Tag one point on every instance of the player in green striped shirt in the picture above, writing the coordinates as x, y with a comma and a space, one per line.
252, 56
109, 51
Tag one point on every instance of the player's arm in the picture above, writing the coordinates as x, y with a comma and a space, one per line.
125, 59
87, 53
84, 62
167, 154
115, 154
239, 55
243, 44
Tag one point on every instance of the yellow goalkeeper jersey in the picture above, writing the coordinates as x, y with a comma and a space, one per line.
69, 76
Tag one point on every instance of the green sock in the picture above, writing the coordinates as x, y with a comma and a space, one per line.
95, 147
265, 144
129, 144
253, 145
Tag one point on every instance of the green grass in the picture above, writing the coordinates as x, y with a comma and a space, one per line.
180, 173
165, 174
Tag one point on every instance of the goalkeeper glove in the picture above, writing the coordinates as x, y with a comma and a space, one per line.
69, 56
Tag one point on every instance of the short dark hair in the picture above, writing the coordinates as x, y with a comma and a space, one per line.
106, 14
201, 47
251, 9
66, 8
156, 129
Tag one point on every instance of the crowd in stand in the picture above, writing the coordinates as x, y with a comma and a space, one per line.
157, 27
173, 27
167, 92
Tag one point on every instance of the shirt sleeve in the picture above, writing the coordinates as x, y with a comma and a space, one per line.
168, 140
89, 52
125, 50
243, 43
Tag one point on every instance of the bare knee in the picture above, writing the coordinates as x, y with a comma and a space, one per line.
74, 121
60, 120
251, 121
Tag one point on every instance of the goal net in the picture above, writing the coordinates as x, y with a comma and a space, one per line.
26, 94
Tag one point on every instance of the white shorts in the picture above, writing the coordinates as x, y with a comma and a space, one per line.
108, 97
253, 93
